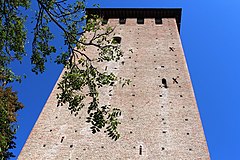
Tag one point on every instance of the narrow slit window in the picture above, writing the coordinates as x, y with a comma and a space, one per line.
158, 20
140, 150
122, 20
62, 139
116, 40
164, 83
140, 20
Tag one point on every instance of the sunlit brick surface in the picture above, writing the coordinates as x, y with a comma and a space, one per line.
163, 122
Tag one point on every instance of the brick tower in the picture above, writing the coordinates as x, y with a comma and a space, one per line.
160, 118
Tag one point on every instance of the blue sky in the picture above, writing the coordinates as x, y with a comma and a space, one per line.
210, 36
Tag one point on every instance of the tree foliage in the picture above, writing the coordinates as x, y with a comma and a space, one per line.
12, 37
82, 79
9, 105
12, 41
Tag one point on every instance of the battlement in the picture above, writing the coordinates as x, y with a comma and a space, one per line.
140, 13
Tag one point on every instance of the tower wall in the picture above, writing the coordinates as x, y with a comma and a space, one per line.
157, 122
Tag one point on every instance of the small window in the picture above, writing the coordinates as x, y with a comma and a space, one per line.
140, 20
104, 21
122, 20
164, 83
116, 40
140, 150
158, 20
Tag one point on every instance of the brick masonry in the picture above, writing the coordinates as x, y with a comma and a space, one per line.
161, 123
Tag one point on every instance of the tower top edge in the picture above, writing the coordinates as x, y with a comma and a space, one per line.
138, 13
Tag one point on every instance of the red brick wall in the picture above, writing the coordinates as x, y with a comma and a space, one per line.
165, 122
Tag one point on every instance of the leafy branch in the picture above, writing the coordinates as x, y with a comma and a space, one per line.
83, 79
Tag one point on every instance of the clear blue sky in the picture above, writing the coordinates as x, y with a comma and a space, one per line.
210, 32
